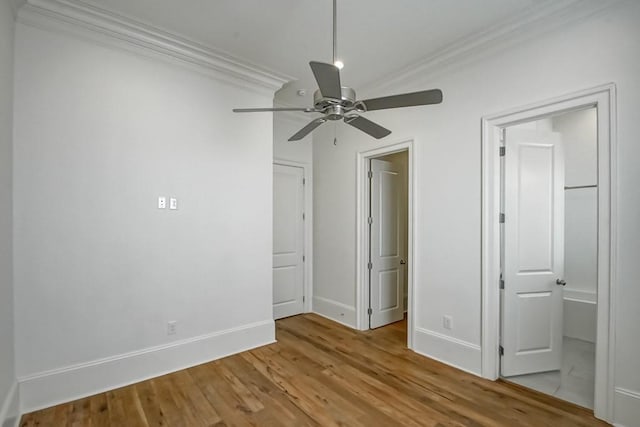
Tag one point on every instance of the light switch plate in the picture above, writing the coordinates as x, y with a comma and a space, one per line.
173, 203
162, 202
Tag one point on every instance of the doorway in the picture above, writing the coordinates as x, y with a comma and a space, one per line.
289, 229
385, 237
387, 220
549, 255
527, 272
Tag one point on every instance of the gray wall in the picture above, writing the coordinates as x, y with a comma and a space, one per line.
7, 371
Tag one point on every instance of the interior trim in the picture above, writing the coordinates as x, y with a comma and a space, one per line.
65, 384
451, 351
100, 21
532, 22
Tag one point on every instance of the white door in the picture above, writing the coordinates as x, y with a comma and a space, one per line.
288, 241
533, 264
387, 246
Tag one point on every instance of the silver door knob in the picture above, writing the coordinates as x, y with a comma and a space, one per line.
402, 262
560, 282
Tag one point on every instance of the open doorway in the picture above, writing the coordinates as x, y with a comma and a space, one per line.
543, 251
549, 236
385, 238
388, 222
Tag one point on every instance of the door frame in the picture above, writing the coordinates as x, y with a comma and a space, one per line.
307, 265
603, 98
362, 241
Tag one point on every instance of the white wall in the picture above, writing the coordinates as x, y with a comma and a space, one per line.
100, 133
8, 387
284, 126
448, 194
579, 130
579, 136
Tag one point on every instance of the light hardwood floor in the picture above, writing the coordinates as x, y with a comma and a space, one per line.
319, 373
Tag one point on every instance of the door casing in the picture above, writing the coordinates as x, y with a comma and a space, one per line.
362, 245
603, 98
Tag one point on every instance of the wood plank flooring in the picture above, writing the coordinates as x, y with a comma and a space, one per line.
319, 373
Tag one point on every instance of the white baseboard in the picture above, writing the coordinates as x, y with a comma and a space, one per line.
335, 311
53, 387
626, 408
580, 319
580, 295
10, 408
448, 350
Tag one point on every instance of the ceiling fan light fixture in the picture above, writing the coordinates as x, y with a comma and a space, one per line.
339, 64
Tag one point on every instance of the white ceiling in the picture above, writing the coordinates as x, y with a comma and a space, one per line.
375, 37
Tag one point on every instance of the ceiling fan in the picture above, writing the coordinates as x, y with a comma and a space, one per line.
337, 102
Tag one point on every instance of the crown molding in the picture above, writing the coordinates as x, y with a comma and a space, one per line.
118, 28
532, 22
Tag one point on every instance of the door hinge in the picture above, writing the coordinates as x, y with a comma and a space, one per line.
369, 311
303, 299
370, 265
503, 151
303, 216
501, 284
370, 220
303, 258
503, 134
370, 174
304, 181
501, 218
501, 350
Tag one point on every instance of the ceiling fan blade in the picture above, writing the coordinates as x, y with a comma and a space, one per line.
367, 126
307, 129
328, 78
264, 110
425, 97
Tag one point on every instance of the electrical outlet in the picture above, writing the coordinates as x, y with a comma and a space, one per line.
173, 203
171, 327
447, 322
162, 202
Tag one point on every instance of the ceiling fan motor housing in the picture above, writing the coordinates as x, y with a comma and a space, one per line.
335, 108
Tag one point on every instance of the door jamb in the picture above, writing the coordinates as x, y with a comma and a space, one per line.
362, 242
603, 98
307, 191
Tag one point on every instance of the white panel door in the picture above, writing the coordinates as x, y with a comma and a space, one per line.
533, 252
387, 246
288, 241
